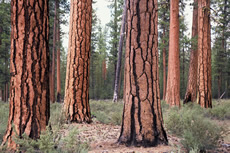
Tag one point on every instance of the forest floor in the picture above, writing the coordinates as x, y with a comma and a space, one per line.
102, 138
102, 134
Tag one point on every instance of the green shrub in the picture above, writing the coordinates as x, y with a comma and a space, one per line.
70, 144
107, 112
57, 117
196, 131
220, 110
4, 113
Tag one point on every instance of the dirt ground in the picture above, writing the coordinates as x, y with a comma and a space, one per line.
103, 139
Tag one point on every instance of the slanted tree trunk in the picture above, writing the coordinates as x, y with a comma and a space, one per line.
191, 91
204, 95
173, 81
76, 102
52, 93
58, 57
142, 123
29, 96
121, 42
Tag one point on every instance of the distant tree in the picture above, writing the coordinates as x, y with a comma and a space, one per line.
191, 92
58, 55
221, 52
76, 102
173, 80
142, 123
204, 86
52, 83
119, 60
4, 49
29, 95
93, 55
164, 40
114, 26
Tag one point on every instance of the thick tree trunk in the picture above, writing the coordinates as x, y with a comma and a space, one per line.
58, 57
52, 93
29, 95
121, 42
164, 68
142, 123
191, 91
173, 81
76, 102
204, 55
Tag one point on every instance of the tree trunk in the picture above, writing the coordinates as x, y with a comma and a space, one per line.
164, 68
142, 123
191, 91
6, 91
76, 102
29, 95
58, 57
52, 93
204, 55
0, 94
173, 81
121, 42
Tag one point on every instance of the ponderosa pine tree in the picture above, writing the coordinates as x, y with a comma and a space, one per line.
76, 103
204, 84
142, 123
173, 80
191, 91
29, 95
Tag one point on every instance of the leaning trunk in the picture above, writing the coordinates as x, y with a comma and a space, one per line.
121, 42
142, 123
173, 81
204, 94
191, 91
29, 95
76, 104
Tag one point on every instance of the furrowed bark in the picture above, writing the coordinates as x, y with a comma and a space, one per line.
29, 95
142, 123
76, 104
191, 92
173, 81
204, 83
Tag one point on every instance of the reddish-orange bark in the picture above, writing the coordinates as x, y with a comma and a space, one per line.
191, 91
204, 82
142, 123
29, 95
76, 103
173, 81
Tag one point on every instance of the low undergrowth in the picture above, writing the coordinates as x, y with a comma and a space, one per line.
107, 112
195, 128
